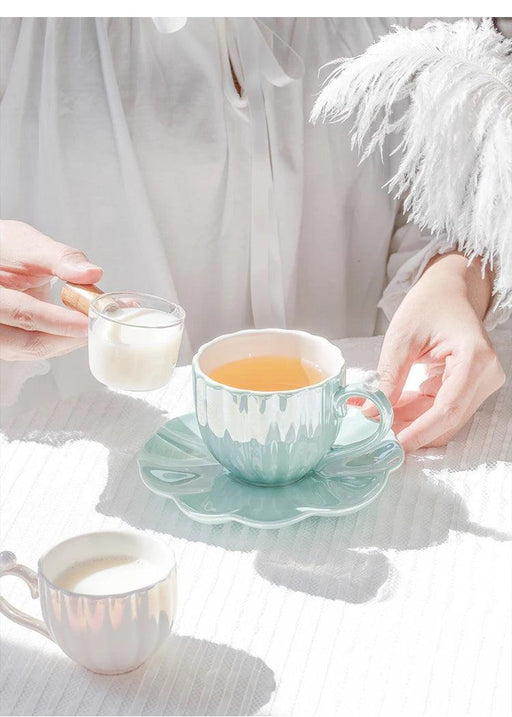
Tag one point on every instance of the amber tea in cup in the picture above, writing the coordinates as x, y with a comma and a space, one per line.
268, 373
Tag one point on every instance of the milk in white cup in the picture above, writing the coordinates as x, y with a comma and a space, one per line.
108, 576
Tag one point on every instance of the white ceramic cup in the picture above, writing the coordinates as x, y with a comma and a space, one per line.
109, 634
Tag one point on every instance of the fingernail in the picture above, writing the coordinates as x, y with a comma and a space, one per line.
79, 263
87, 266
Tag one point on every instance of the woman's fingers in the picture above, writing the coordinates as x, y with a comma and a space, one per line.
31, 329
467, 382
431, 386
449, 409
19, 345
43, 292
22, 311
397, 355
408, 411
28, 257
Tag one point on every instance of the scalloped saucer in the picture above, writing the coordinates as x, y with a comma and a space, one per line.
176, 464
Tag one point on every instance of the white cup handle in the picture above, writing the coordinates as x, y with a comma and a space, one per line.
9, 566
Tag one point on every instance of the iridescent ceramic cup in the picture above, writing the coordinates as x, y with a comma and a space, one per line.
109, 634
274, 438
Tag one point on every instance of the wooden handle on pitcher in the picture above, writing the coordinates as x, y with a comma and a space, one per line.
79, 296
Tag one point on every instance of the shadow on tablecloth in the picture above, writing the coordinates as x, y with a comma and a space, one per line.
335, 558
187, 677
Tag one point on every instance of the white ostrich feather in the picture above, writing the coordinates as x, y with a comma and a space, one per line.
454, 133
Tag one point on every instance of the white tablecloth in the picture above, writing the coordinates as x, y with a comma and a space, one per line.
402, 609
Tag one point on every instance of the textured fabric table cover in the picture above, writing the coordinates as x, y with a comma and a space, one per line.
401, 609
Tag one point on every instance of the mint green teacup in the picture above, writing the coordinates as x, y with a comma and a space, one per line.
275, 438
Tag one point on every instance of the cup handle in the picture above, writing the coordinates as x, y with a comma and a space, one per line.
359, 390
9, 566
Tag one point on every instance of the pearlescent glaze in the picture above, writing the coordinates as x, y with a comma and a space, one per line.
268, 439
275, 438
109, 634
176, 464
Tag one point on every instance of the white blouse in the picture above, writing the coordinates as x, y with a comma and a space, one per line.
128, 139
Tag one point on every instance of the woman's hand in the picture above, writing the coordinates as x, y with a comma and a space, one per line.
30, 327
439, 323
